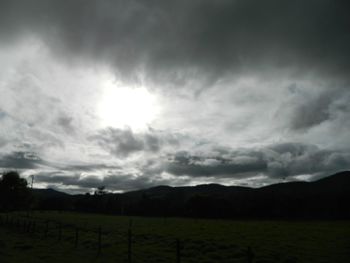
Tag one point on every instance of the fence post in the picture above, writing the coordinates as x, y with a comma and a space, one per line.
46, 228
99, 240
76, 237
28, 226
59, 231
25, 225
178, 251
33, 226
129, 245
250, 255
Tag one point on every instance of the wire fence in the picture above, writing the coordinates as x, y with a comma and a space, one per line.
133, 247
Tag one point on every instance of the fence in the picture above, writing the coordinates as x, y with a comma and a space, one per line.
90, 238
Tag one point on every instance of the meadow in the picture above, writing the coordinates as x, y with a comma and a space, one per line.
43, 236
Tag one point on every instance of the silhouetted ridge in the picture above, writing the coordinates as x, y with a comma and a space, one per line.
338, 178
49, 192
325, 198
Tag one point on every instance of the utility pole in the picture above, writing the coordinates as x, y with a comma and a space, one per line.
32, 182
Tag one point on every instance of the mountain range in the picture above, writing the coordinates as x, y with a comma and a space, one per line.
325, 198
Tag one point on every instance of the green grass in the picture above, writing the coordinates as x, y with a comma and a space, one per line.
154, 240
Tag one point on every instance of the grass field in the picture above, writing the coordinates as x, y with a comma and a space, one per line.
154, 239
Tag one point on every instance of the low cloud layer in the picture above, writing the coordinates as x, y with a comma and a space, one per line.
275, 163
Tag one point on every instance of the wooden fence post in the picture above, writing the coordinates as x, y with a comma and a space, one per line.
46, 228
178, 251
33, 226
250, 255
76, 237
129, 245
59, 231
28, 226
25, 225
99, 240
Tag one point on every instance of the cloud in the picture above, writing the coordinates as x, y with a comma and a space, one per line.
275, 161
183, 39
249, 167
318, 107
66, 123
266, 80
200, 166
124, 142
20, 160
120, 142
243, 166
113, 182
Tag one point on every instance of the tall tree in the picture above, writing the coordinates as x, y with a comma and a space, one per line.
14, 194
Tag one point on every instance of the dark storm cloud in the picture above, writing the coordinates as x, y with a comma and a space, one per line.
181, 39
111, 182
119, 142
280, 161
125, 142
71, 180
320, 107
185, 164
275, 161
31, 160
20, 160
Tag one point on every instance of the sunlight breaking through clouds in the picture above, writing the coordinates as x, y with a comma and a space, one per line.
172, 91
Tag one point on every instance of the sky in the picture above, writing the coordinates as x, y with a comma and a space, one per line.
133, 94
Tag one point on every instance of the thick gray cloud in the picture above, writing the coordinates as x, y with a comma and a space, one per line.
125, 142
275, 161
317, 108
182, 39
234, 166
124, 182
20, 160
245, 89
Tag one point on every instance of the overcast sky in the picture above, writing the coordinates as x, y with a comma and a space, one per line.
132, 94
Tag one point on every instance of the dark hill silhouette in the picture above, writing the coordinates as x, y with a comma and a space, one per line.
325, 198
50, 199
48, 193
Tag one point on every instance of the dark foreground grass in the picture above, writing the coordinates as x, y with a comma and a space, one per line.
154, 239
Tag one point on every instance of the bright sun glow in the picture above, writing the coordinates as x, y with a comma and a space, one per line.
127, 107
